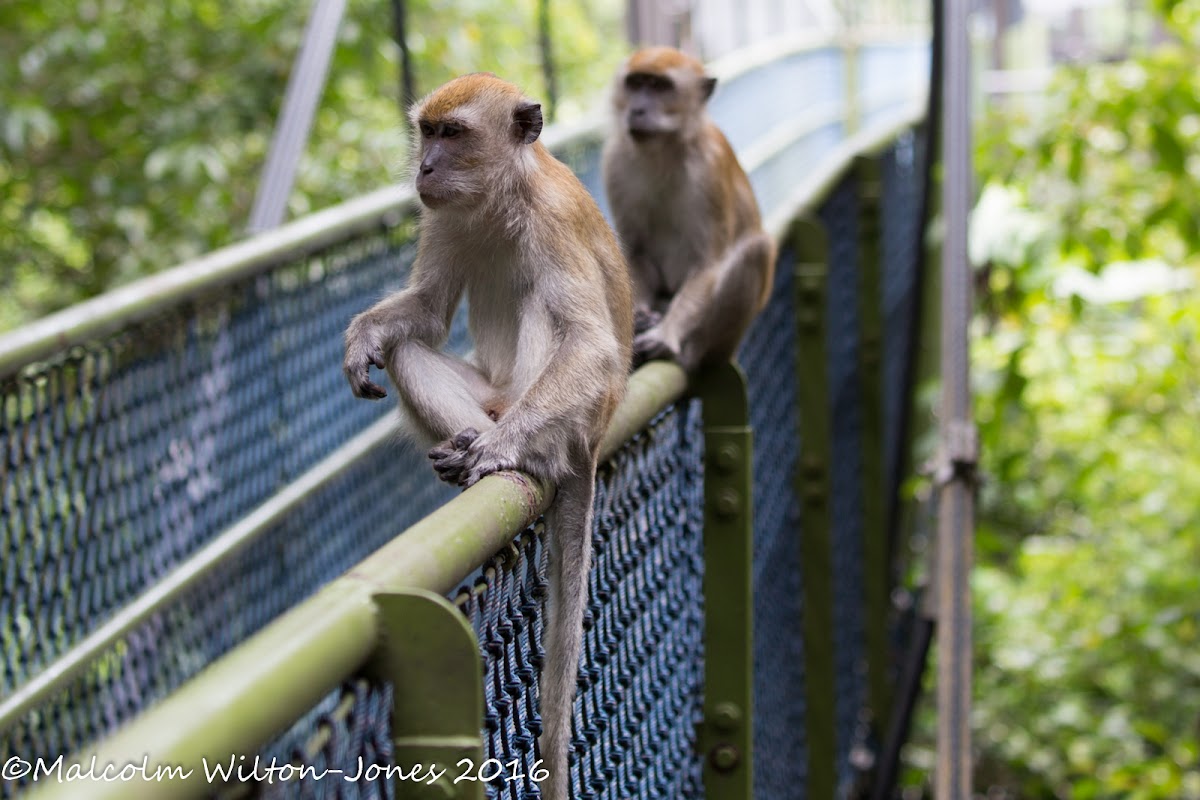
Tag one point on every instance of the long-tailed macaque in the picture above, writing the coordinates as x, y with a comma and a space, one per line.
551, 314
702, 265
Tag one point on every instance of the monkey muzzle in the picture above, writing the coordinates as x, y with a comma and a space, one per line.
639, 124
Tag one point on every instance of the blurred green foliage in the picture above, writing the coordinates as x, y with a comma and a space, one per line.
132, 134
1087, 587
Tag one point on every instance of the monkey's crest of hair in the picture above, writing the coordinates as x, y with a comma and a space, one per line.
660, 60
473, 89
504, 153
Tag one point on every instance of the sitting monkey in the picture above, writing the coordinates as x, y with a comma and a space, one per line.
551, 313
702, 265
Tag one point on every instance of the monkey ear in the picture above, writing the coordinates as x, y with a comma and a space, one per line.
707, 85
528, 119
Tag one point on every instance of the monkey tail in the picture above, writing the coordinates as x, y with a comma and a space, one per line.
569, 527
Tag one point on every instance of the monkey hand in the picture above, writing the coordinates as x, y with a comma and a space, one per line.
470, 456
363, 348
645, 318
652, 344
451, 459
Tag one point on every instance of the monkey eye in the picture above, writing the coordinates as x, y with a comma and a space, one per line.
648, 80
426, 130
451, 131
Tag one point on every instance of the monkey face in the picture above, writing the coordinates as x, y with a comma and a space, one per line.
649, 105
660, 93
467, 131
446, 166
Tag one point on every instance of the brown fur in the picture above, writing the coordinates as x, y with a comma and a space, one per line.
685, 211
551, 314
661, 60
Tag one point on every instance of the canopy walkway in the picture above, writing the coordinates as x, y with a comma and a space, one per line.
209, 549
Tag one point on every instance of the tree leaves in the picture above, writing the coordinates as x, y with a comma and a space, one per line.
132, 135
1088, 600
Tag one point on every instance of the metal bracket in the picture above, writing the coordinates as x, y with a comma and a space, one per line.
430, 655
725, 735
811, 243
877, 568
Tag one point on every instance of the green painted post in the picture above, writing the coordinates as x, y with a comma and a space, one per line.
877, 576
429, 654
725, 736
808, 237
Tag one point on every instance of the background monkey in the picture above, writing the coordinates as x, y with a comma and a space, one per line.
702, 265
551, 314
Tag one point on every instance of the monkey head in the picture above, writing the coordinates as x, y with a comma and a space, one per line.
660, 94
467, 133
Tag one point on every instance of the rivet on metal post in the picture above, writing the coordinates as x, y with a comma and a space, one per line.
726, 717
729, 503
724, 757
728, 458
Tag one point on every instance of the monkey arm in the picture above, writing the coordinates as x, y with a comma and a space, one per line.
687, 311
444, 395
560, 416
419, 313
714, 306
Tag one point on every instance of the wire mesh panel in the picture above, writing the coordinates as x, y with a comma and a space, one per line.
641, 679
839, 214
122, 458
900, 249
768, 357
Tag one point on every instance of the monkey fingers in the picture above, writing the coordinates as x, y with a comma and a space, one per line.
452, 460
644, 319
490, 453
369, 390
357, 367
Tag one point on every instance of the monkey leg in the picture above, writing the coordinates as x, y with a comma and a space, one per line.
441, 393
569, 529
712, 310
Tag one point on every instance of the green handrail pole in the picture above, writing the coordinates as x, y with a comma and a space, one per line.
811, 244
258, 689
430, 655
408, 84
725, 738
877, 573
245, 698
